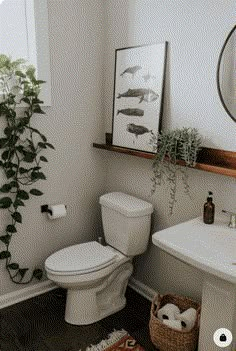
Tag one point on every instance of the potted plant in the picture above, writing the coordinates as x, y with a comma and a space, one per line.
21, 145
170, 147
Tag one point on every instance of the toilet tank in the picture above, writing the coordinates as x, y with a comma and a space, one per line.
126, 222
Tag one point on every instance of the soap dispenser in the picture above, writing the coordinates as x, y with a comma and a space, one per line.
209, 210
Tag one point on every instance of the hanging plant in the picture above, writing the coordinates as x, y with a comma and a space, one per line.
21, 146
170, 147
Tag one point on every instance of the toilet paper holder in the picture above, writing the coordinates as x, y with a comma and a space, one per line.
44, 208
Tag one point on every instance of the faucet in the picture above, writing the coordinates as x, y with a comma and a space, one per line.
232, 222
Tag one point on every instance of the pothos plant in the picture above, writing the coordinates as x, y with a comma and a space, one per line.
170, 147
21, 158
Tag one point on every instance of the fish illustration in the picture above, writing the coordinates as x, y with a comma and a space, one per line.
131, 70
148, 76
147, 95
131, 112
137, 130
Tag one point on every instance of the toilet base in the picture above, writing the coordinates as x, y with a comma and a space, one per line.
87, 306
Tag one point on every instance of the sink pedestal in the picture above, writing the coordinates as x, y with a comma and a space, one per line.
218, 311
212, 250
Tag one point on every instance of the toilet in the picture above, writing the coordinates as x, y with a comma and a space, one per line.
94, 275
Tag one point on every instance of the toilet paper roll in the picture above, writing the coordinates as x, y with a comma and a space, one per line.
169, 311
57, 211
187, 318
175, 324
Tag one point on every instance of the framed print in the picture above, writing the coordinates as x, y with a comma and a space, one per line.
138, 95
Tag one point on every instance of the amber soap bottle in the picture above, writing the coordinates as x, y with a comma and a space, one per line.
209, 210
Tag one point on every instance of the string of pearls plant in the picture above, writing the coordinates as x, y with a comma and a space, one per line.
21, 158
170, 147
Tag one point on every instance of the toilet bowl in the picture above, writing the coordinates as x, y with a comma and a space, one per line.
98, 284
94, 275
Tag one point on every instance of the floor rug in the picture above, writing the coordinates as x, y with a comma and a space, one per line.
117, 341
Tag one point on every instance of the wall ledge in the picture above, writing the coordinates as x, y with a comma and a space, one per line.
210, 160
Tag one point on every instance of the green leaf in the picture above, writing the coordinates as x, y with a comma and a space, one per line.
30, 71
11, 228
43, 137
3, 142
37, 109
40, 81
29, 157
22, 194
37, 175
13, 266
8, 131
37, 101
36, 168
24, 121
20, 148
5, 239
17, 217
20, 74
5, 155
9, 164
12, 142
10, 173
36, 192
23, 170
5, 202
42, 145
18, 202
42, 158
22, 271
5, 188
4, 254
14, 184
50, 145
38, 274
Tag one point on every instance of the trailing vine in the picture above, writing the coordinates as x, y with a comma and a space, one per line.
169, 147
21, 146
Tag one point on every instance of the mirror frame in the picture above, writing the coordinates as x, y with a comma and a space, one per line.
218, 74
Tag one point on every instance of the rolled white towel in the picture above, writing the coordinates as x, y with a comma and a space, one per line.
173, 323
168, 311
187, 318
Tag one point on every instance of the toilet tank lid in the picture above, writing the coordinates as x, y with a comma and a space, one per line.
128, 205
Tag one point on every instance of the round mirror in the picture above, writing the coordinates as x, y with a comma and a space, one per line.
226, 74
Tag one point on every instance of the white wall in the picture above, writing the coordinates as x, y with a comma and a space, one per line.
195, 31
75, 174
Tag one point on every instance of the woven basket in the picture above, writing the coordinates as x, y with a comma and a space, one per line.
166, 338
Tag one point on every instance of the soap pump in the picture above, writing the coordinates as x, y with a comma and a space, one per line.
209, 210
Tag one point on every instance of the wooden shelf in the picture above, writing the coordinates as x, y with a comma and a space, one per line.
210, 160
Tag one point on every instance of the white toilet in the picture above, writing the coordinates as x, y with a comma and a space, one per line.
96, 276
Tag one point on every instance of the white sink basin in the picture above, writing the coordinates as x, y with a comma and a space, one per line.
209, 247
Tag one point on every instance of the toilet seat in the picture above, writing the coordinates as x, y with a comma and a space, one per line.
80, 259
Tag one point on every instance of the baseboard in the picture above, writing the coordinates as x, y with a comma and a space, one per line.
45, 286
26, 293
142, 289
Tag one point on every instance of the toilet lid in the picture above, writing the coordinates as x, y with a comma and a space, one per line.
81, 258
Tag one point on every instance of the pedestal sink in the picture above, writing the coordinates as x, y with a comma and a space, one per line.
212, 249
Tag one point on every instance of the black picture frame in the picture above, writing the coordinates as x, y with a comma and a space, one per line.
139, 82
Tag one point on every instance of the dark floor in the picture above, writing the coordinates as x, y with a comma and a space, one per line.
38, 324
